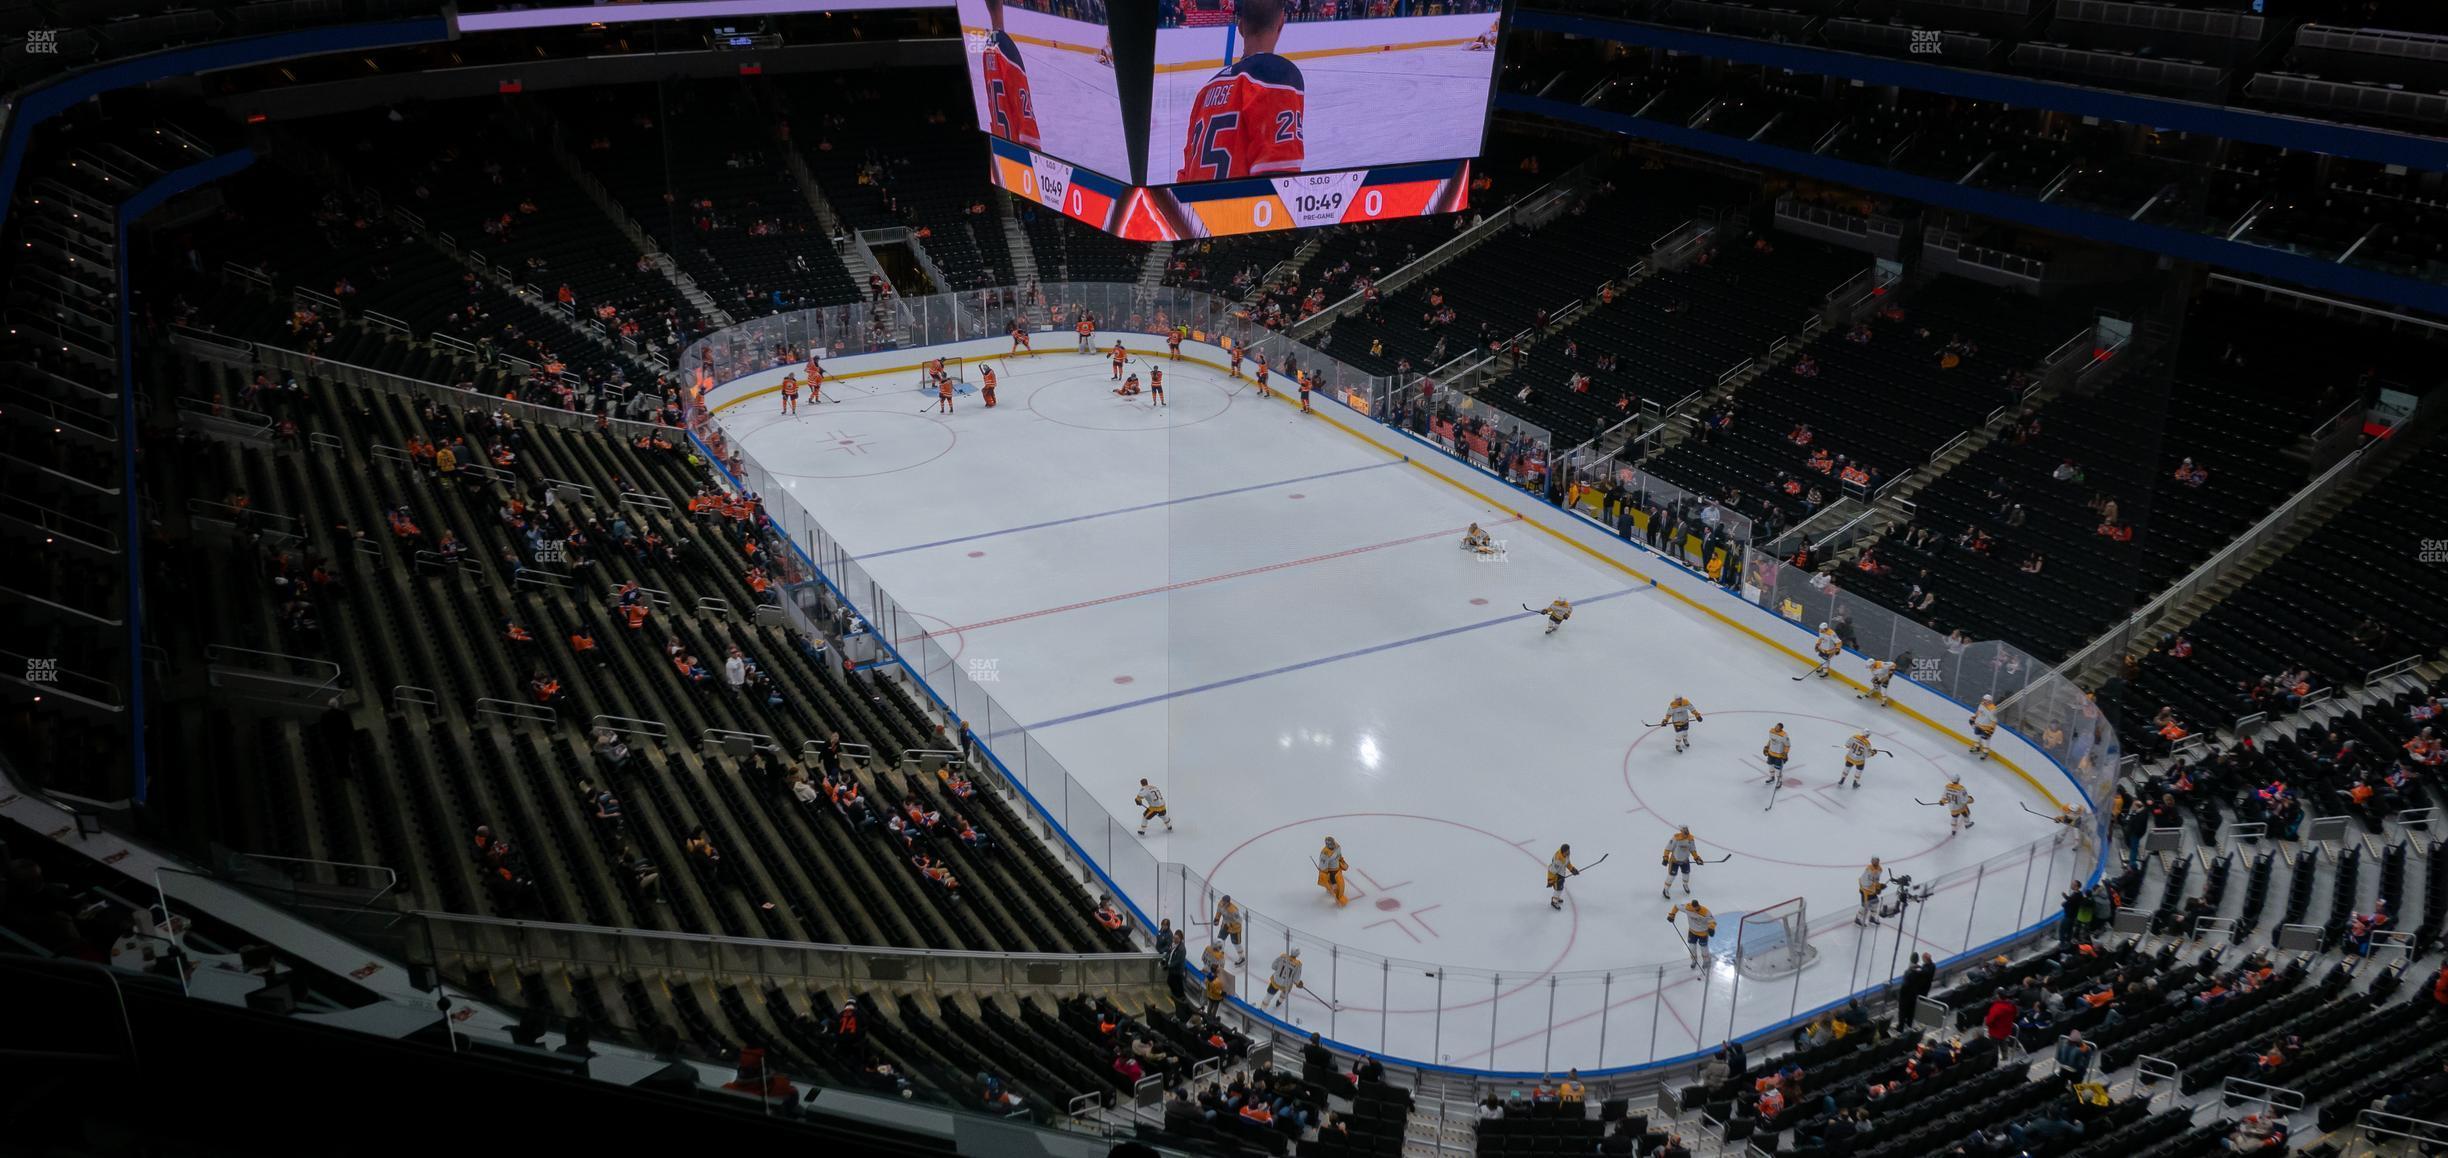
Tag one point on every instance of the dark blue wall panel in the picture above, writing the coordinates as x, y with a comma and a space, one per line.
2023, 92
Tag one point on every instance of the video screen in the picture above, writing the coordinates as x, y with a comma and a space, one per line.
1269, 88
1041, 74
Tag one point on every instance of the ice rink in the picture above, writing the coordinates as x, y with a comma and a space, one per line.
1268, 615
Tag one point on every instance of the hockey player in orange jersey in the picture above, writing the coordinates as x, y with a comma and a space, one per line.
1008, 101
1246, 121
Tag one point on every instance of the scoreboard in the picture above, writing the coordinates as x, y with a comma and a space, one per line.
1225, 208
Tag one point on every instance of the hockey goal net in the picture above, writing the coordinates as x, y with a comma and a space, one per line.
1774, 941
961, 371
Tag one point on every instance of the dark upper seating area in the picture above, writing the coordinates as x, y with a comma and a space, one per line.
901, 148
1672, 334
469, 170
700, 167
372, 264
2247, 385
1879, 396
2351, 598
1504, 285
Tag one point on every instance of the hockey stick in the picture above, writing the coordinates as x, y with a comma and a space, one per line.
1720, 860
1927, 803
2040, 814
1304, 987
1602, 859
1772, 793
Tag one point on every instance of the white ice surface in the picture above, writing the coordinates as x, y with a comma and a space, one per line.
1270, 618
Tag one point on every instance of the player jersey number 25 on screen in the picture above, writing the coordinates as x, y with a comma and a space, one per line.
1247, 122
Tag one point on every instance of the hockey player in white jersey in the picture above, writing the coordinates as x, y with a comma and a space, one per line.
1151, 804
1984, 726
1283, 978
1776, 751
1873, 882
1556, 613
1958, 803
1827, 647
1698, 926
1680, 714
1858, 750
1681, 854
1559, 867
1881, 673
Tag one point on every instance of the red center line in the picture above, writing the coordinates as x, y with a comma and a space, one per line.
1186, 583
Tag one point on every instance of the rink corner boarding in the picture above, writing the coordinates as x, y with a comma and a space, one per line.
1578, 531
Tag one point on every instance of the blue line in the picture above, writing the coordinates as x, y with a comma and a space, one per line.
1127, 510
1372, 649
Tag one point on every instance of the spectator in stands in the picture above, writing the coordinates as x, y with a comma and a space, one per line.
1918, 978
643, 875
2256, 1133
1729, 1063
706, 856
545, 689
611, 750
2426, 1090
2074, 907
601, 805
2361, 926
993, 1096
1173, 953
1109, 915
1181, 1115
1999, 1021
2074, 1056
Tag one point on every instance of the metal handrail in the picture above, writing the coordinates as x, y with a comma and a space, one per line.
757, 740
516, 709
655, 729
414, 694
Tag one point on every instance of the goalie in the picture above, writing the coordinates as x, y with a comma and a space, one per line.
1477, 541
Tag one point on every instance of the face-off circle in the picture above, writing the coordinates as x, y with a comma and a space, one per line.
1415, 884
1086, 399
1718, 780
843, 442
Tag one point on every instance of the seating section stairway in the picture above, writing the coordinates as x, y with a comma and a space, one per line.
699, 166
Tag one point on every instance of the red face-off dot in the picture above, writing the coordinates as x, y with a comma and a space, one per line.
1388, 904
977, 554
1124, 679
